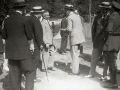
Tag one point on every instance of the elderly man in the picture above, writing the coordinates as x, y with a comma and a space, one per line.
76, 37
48, 41
17, 49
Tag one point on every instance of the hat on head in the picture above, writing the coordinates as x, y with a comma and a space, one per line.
37, 9
105, 5
69, 7
116, 5
19, 3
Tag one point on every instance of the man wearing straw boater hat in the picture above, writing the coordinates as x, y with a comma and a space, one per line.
76, 37
36, 28
99, 22
17, 49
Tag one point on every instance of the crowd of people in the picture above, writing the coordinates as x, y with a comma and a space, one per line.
28, 37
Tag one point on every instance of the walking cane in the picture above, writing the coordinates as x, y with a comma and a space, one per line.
44, 65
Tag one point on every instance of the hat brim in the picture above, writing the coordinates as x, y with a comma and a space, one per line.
67, 8
101, 6
22, 5
36, 11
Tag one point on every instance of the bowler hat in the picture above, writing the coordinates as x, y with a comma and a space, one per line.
37, 9
69, 7
105, 5
19, 3
116, 5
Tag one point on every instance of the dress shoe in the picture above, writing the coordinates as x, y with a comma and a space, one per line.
118, 71
111, 86
108, 81
51, 68
73, 73
43, 70
89, 76
37, 79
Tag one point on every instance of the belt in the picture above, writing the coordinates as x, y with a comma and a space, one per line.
114, 34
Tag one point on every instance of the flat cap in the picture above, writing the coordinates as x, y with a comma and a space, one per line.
116, 5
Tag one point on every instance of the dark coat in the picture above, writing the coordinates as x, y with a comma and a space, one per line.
16, 36
96, 28
1, 42
37, 31
64, 24
113, 42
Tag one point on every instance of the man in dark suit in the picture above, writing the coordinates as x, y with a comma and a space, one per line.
17, 48
112, 46
64, 34
37, 31
96, 28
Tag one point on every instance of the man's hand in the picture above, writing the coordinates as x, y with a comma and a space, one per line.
47, 45
32, 47
41, 46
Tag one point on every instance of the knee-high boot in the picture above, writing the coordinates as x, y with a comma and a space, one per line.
113, 72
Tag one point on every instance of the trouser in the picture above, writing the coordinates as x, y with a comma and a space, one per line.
1, 63
111, 57
47, 62
75, 52
96, 53
118, 61
64, 43
105, 69
15, 72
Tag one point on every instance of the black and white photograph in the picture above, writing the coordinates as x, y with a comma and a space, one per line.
59, 44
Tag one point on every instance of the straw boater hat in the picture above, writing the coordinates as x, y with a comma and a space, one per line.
116, 5
105, 5
37, 9
69, 7
19, 3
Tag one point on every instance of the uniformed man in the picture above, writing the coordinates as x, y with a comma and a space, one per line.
76, 37
17, 48
112, 46
97, 26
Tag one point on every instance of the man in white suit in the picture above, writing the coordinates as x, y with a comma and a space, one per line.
47, 39
76, 37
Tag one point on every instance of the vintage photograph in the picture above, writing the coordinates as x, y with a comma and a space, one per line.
59, 44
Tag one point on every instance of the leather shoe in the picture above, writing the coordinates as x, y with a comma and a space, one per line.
73, 73
43, 70
118, 71
89, 76
111, 86
51, 68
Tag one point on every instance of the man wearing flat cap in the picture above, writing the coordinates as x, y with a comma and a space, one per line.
17, 49
76, 37
99, 22
112, 45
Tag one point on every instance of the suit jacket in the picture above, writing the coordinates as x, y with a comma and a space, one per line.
96, 28
47, 32
113, 42
75, 28
64, 24
16, 36
35, 27
1, 42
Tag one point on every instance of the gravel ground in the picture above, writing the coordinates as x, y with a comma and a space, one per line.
60, 80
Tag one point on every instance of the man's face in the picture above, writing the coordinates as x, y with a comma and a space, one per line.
105, 10
67, 12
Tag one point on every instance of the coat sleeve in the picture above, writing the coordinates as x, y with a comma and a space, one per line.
110, 24
69, 27
45, 40
27, 30
38, 32
3, 31
93, 30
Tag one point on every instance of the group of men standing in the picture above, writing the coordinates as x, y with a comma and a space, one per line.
106, 40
